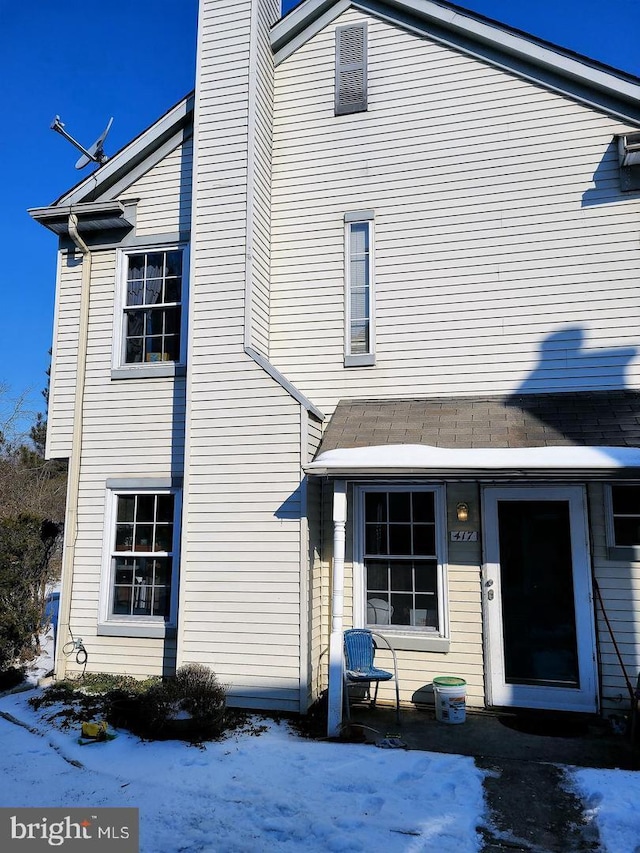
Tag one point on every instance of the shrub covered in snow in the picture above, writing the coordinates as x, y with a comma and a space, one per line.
188, 706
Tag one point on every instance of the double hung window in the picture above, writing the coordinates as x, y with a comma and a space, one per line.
142, 556
401, 562
152, 306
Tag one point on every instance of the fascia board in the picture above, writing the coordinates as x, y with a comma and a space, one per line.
450, 26
131, 155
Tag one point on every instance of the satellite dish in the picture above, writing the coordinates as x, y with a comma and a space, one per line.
93, 154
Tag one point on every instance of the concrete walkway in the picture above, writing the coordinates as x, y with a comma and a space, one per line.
531, 807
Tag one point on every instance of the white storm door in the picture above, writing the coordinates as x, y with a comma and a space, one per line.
539, 623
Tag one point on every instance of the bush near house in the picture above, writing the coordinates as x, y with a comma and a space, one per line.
32, 504
189, 706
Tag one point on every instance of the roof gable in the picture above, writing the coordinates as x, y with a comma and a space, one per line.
135, 159
585, 80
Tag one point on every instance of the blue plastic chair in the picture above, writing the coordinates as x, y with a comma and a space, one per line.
359, 668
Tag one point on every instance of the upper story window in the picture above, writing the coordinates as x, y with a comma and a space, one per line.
359, 331
153, 306
351, 69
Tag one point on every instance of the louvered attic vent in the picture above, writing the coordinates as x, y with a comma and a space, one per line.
351, 69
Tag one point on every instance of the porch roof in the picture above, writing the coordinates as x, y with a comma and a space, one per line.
565, 432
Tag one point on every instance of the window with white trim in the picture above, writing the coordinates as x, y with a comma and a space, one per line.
143, 550
401, 558
624, 521
152, 306
359, 331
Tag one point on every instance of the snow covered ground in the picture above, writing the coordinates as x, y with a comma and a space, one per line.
248, 794
278, 792
612, 799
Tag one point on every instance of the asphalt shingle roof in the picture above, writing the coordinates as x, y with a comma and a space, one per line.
585, 418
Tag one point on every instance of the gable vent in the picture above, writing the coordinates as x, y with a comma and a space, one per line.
351, 69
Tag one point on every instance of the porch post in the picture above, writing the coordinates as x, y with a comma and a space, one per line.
334, 720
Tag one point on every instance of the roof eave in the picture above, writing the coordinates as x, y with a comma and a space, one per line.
485, 474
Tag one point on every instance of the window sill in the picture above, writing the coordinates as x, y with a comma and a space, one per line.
147, 371
152, 630
415, 642
364, 360
630, 553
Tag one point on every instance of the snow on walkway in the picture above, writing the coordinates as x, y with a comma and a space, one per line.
612, 800
251, 794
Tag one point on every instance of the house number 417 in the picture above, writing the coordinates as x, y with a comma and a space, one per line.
464, 535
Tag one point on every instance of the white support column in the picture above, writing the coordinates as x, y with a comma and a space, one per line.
334, 721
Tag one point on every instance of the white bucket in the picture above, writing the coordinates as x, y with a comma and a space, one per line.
450, 695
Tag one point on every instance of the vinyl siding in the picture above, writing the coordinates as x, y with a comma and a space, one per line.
242, 534
318, 588
417, 669
165, 194
498, 200
131, 429
260, 177
64, 356
619, 582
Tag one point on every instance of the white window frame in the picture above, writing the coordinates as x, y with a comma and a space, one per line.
403, 636
359, 217
121, 369
615, 551
111, 624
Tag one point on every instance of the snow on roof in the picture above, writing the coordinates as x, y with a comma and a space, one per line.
421, 457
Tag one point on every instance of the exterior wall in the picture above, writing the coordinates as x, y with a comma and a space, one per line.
165, 194
259, 173
418, 668
619, 582
243, 530
498, 200
62, 386
318, 576
131, 428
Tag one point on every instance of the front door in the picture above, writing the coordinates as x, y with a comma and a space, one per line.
537, 599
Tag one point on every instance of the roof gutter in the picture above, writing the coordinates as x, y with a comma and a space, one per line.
88, 216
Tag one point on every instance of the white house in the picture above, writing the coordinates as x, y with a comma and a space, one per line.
350, 337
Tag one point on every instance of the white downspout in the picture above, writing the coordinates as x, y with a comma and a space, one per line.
334, 717
73, 487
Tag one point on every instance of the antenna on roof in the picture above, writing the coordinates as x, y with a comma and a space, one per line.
93, 154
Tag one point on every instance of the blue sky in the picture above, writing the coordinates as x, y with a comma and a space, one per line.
132, 60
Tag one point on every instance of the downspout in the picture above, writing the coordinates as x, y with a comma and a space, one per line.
73, 487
